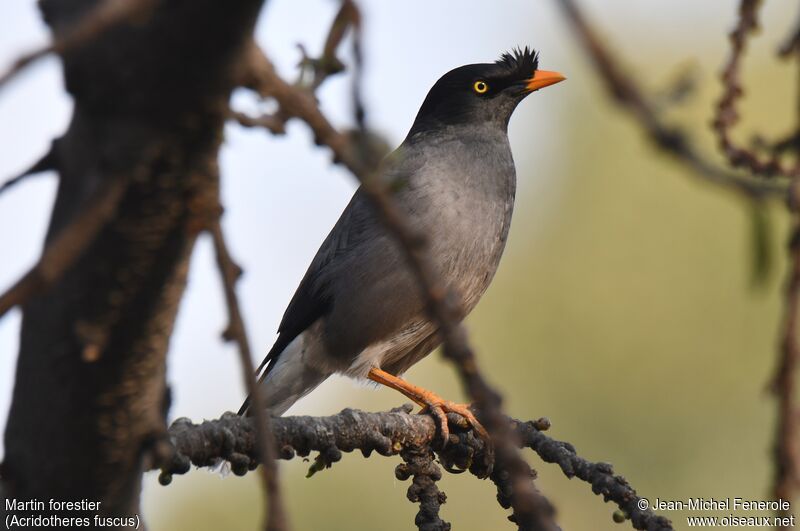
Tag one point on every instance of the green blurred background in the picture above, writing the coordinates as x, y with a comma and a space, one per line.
626, 308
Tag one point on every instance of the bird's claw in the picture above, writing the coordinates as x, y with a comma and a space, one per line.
439, 410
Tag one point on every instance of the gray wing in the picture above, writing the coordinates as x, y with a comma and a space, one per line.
357, 270
313, 298
357, 235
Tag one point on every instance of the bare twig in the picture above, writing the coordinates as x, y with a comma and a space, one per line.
671, 140
321, 68
274, 123
787, 460
46, 163
99, 19
68, 245
23, 62
277, 519
727, 115
419, 464
391, 433
328, 63
359, 111
788, 143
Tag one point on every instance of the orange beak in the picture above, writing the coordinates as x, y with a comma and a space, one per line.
543, 78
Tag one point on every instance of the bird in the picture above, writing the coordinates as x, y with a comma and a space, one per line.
359, 310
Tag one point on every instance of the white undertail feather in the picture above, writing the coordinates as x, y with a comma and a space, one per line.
294, 375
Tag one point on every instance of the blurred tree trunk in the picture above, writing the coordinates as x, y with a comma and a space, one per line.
151, 97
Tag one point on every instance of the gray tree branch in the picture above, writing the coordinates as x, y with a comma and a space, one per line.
396, 432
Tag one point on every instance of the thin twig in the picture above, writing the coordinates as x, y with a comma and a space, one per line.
726, 113
46, 163
328, 63
531, 509
787, 460
274, 123
359, 110
99, 19
673, 141
419, 464
788, 143
68, 245
322, 68
277, 518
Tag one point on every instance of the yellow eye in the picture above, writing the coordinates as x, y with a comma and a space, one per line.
480, 87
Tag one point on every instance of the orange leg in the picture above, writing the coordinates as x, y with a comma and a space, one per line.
430, 401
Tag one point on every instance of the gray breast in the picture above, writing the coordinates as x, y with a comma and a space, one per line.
469, 194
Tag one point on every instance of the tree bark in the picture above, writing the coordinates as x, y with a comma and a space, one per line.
151, 96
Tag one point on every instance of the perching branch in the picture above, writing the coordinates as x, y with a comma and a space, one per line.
396, 432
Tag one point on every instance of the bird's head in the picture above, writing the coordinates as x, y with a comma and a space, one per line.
485, 93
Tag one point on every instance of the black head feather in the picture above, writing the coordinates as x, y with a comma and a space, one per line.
520, 63
453, 100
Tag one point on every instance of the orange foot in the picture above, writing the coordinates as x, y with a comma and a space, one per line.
430, 402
